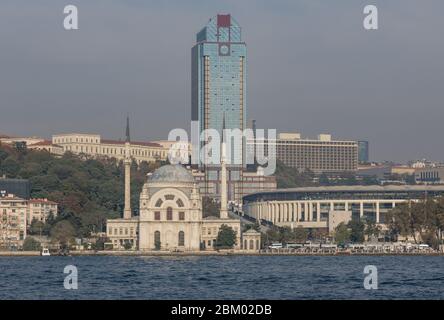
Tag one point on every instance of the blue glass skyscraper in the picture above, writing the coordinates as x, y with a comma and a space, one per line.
219, 78
363, 151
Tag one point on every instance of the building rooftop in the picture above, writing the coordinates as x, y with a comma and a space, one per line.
370, 188
10, 197
46, 201
171, 173
75, 134
43, 143
252, 232
387, 192
134, 143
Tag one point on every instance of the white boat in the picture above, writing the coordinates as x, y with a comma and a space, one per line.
45, 252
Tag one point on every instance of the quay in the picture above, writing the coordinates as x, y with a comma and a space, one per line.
264, 252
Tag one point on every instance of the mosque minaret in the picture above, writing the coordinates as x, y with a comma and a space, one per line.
127, 163
223, 178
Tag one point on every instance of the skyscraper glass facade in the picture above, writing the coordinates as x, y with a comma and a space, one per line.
363, 152
219, 79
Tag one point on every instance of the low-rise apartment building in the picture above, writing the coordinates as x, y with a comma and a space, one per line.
12, 221
16, 216
40, 209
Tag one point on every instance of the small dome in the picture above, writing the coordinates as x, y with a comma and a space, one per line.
171, 173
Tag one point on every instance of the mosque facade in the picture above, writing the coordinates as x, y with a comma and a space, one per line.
171, 215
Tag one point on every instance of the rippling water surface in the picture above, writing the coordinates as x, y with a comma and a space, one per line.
221, 277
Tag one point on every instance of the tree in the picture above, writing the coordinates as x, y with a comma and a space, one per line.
10, 166
37, 227
100, 243
439, 220
356, 231
288, 177
20, 146
342, 234
371, 228
3, 155
127, 245
226, 238
63, 232
157, 244
286, 235
88, 190
50, 221
424, 218
31, 244
399, 221
272, 235
300, 234
256, 226
210, 207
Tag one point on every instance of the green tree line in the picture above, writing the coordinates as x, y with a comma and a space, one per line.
88, 190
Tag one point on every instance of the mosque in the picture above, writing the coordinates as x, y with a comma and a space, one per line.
171, 216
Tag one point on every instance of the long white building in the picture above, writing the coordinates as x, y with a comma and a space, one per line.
317, 207
94, 145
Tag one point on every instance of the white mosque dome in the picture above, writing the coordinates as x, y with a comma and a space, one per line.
171, 173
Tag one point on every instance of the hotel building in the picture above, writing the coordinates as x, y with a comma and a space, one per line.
218, 78
323, 155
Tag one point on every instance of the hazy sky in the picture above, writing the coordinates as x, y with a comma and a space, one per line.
312, 68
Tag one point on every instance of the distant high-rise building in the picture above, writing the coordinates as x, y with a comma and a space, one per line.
218, 89
363, 151
323, 155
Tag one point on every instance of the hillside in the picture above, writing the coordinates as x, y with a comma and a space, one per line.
88, 190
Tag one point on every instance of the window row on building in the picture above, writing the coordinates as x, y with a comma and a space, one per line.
95, 146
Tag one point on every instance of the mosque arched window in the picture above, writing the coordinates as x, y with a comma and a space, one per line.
180, 203
159, 203
245, 244
181, 238
169, 213
251, 244
181, 215
157, 243
169, 197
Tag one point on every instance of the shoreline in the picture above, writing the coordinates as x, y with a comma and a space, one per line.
210, 253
